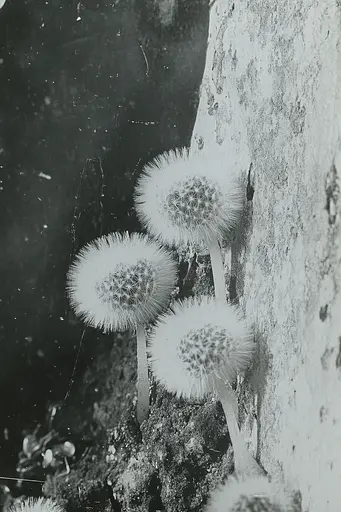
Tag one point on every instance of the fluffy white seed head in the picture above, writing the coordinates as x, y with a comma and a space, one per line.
120, 280
36, 505
198, 341
183, 197
250, 494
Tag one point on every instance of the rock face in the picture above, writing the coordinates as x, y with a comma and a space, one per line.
271, 94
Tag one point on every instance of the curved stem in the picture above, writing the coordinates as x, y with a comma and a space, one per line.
217, 269
142, 385
244, 463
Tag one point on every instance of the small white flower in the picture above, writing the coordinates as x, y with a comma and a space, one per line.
197, 342
36, 505
250, 494
120, 281
183, 197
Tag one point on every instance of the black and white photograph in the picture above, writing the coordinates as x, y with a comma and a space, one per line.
170, 256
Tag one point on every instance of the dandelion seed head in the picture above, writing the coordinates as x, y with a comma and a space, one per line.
250, 494
127, 287
120, 280
198, 341
182, 197
203, 348
36, 505
195, 201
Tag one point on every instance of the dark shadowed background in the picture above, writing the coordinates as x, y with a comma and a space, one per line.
89, 92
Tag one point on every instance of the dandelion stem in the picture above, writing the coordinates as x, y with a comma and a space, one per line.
244, 463
217, 269
142, 375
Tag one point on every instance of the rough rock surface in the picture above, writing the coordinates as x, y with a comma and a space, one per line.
271, 95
